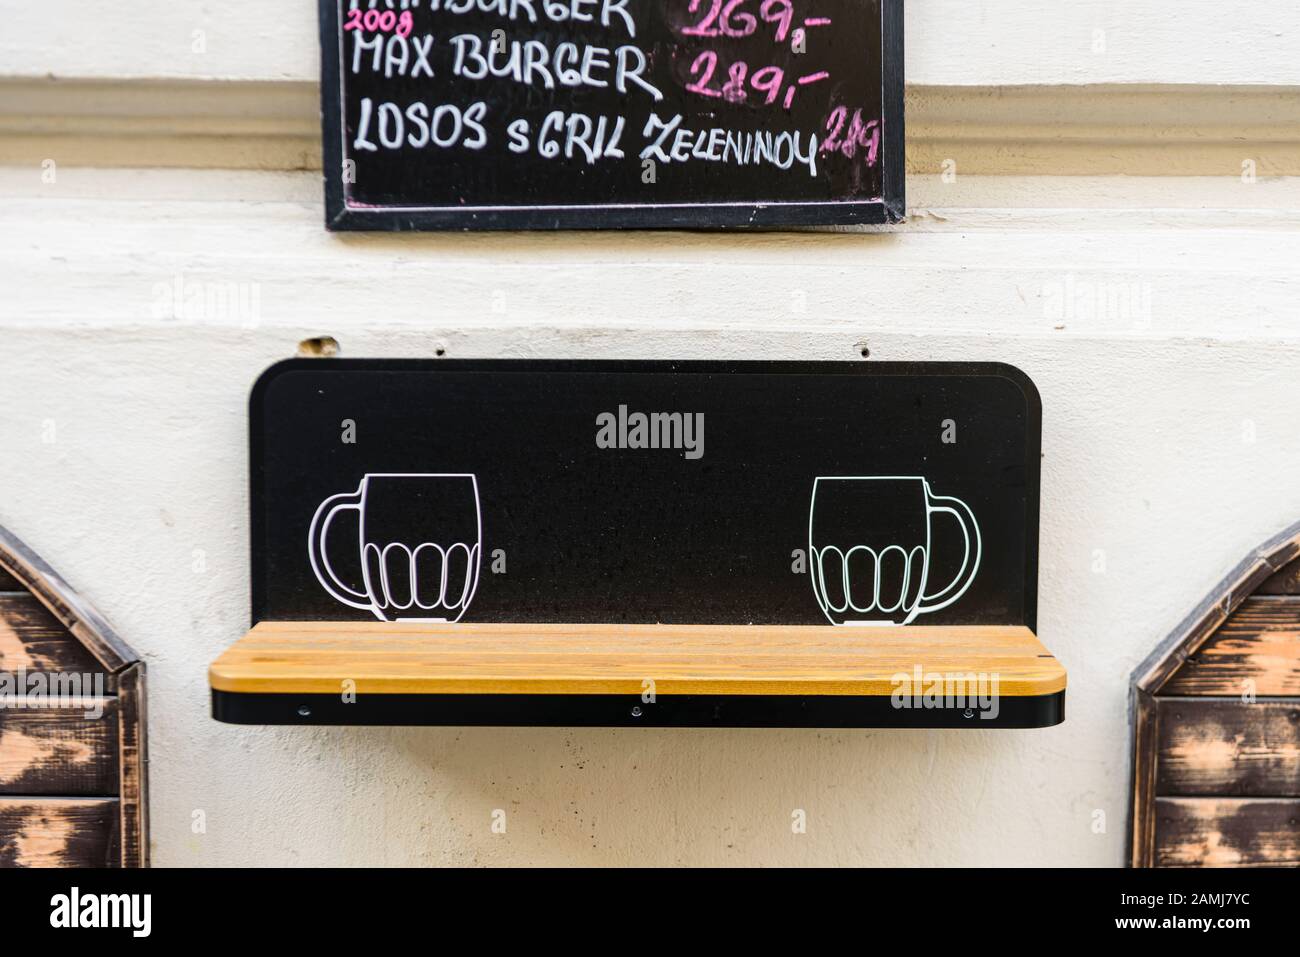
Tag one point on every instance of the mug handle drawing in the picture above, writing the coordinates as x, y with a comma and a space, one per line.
969, 564
320, 563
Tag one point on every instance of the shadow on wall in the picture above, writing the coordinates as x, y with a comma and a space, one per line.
660, 797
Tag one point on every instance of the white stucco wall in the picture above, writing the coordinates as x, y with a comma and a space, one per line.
1170, 448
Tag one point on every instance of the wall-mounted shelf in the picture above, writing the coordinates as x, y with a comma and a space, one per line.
287, 672
484, 491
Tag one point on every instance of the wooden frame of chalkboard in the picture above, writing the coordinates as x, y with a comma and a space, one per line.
889, 207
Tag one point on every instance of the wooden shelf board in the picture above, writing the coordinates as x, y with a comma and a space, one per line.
307, 657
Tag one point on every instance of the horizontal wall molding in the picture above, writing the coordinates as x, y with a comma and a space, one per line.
168, 252
1016, 130
1105, 130
168, 123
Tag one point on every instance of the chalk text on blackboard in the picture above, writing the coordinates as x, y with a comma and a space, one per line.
532, 62
677, 144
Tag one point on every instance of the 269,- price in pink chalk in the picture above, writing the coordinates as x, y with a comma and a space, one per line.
726, 18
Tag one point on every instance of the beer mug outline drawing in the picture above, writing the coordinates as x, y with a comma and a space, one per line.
870, 548
419, 544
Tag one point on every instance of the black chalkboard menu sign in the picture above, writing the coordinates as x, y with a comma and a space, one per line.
549, 114
645, 492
